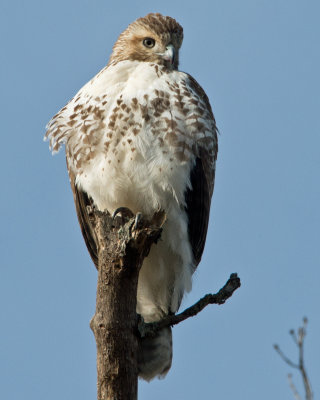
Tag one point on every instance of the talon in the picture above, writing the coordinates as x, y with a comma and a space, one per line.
124, 211
138, 219
90, 209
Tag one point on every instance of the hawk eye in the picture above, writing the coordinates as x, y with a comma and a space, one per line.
149, 42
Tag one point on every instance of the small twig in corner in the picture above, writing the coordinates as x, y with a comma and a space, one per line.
298, 338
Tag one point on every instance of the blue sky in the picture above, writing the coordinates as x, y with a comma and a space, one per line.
259, 63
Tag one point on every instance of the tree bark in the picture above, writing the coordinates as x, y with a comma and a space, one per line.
123, 243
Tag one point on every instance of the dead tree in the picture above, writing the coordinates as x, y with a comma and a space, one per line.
123, 243
298, 338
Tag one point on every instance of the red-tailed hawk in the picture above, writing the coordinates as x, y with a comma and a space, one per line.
141, 134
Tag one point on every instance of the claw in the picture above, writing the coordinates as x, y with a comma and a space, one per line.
124, 211
137, 220
90, 210
127, 213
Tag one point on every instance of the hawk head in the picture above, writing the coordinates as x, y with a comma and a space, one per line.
153, 38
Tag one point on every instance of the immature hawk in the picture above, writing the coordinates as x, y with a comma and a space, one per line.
141, 134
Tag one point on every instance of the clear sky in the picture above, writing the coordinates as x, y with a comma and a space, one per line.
259, 62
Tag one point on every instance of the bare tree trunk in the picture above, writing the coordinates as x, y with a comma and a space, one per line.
123, 244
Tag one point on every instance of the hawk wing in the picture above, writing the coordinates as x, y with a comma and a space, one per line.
82, 202
198, 209
198, 195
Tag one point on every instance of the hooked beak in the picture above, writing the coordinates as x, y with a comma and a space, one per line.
169, 54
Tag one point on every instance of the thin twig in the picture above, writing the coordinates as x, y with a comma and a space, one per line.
294, 336
298, 338
306, 382
293, 388
150, 329
285, 358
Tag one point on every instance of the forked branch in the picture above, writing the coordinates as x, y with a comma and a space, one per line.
298, 338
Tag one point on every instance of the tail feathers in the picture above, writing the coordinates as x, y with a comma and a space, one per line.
155, 355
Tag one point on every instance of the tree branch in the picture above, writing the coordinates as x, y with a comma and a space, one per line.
306, 382
150, 329
298, 338
284, 357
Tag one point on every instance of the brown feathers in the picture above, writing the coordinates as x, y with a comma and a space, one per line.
164, 30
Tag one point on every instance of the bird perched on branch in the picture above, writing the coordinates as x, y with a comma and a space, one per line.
141, 134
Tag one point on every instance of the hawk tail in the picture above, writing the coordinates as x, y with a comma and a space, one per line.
155, 355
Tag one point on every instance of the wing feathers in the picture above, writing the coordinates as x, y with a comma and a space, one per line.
82, 201
198, 209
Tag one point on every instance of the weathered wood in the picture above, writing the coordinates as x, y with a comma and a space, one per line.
151, 328
123, 243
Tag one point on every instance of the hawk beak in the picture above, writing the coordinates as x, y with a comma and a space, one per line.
169, 54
